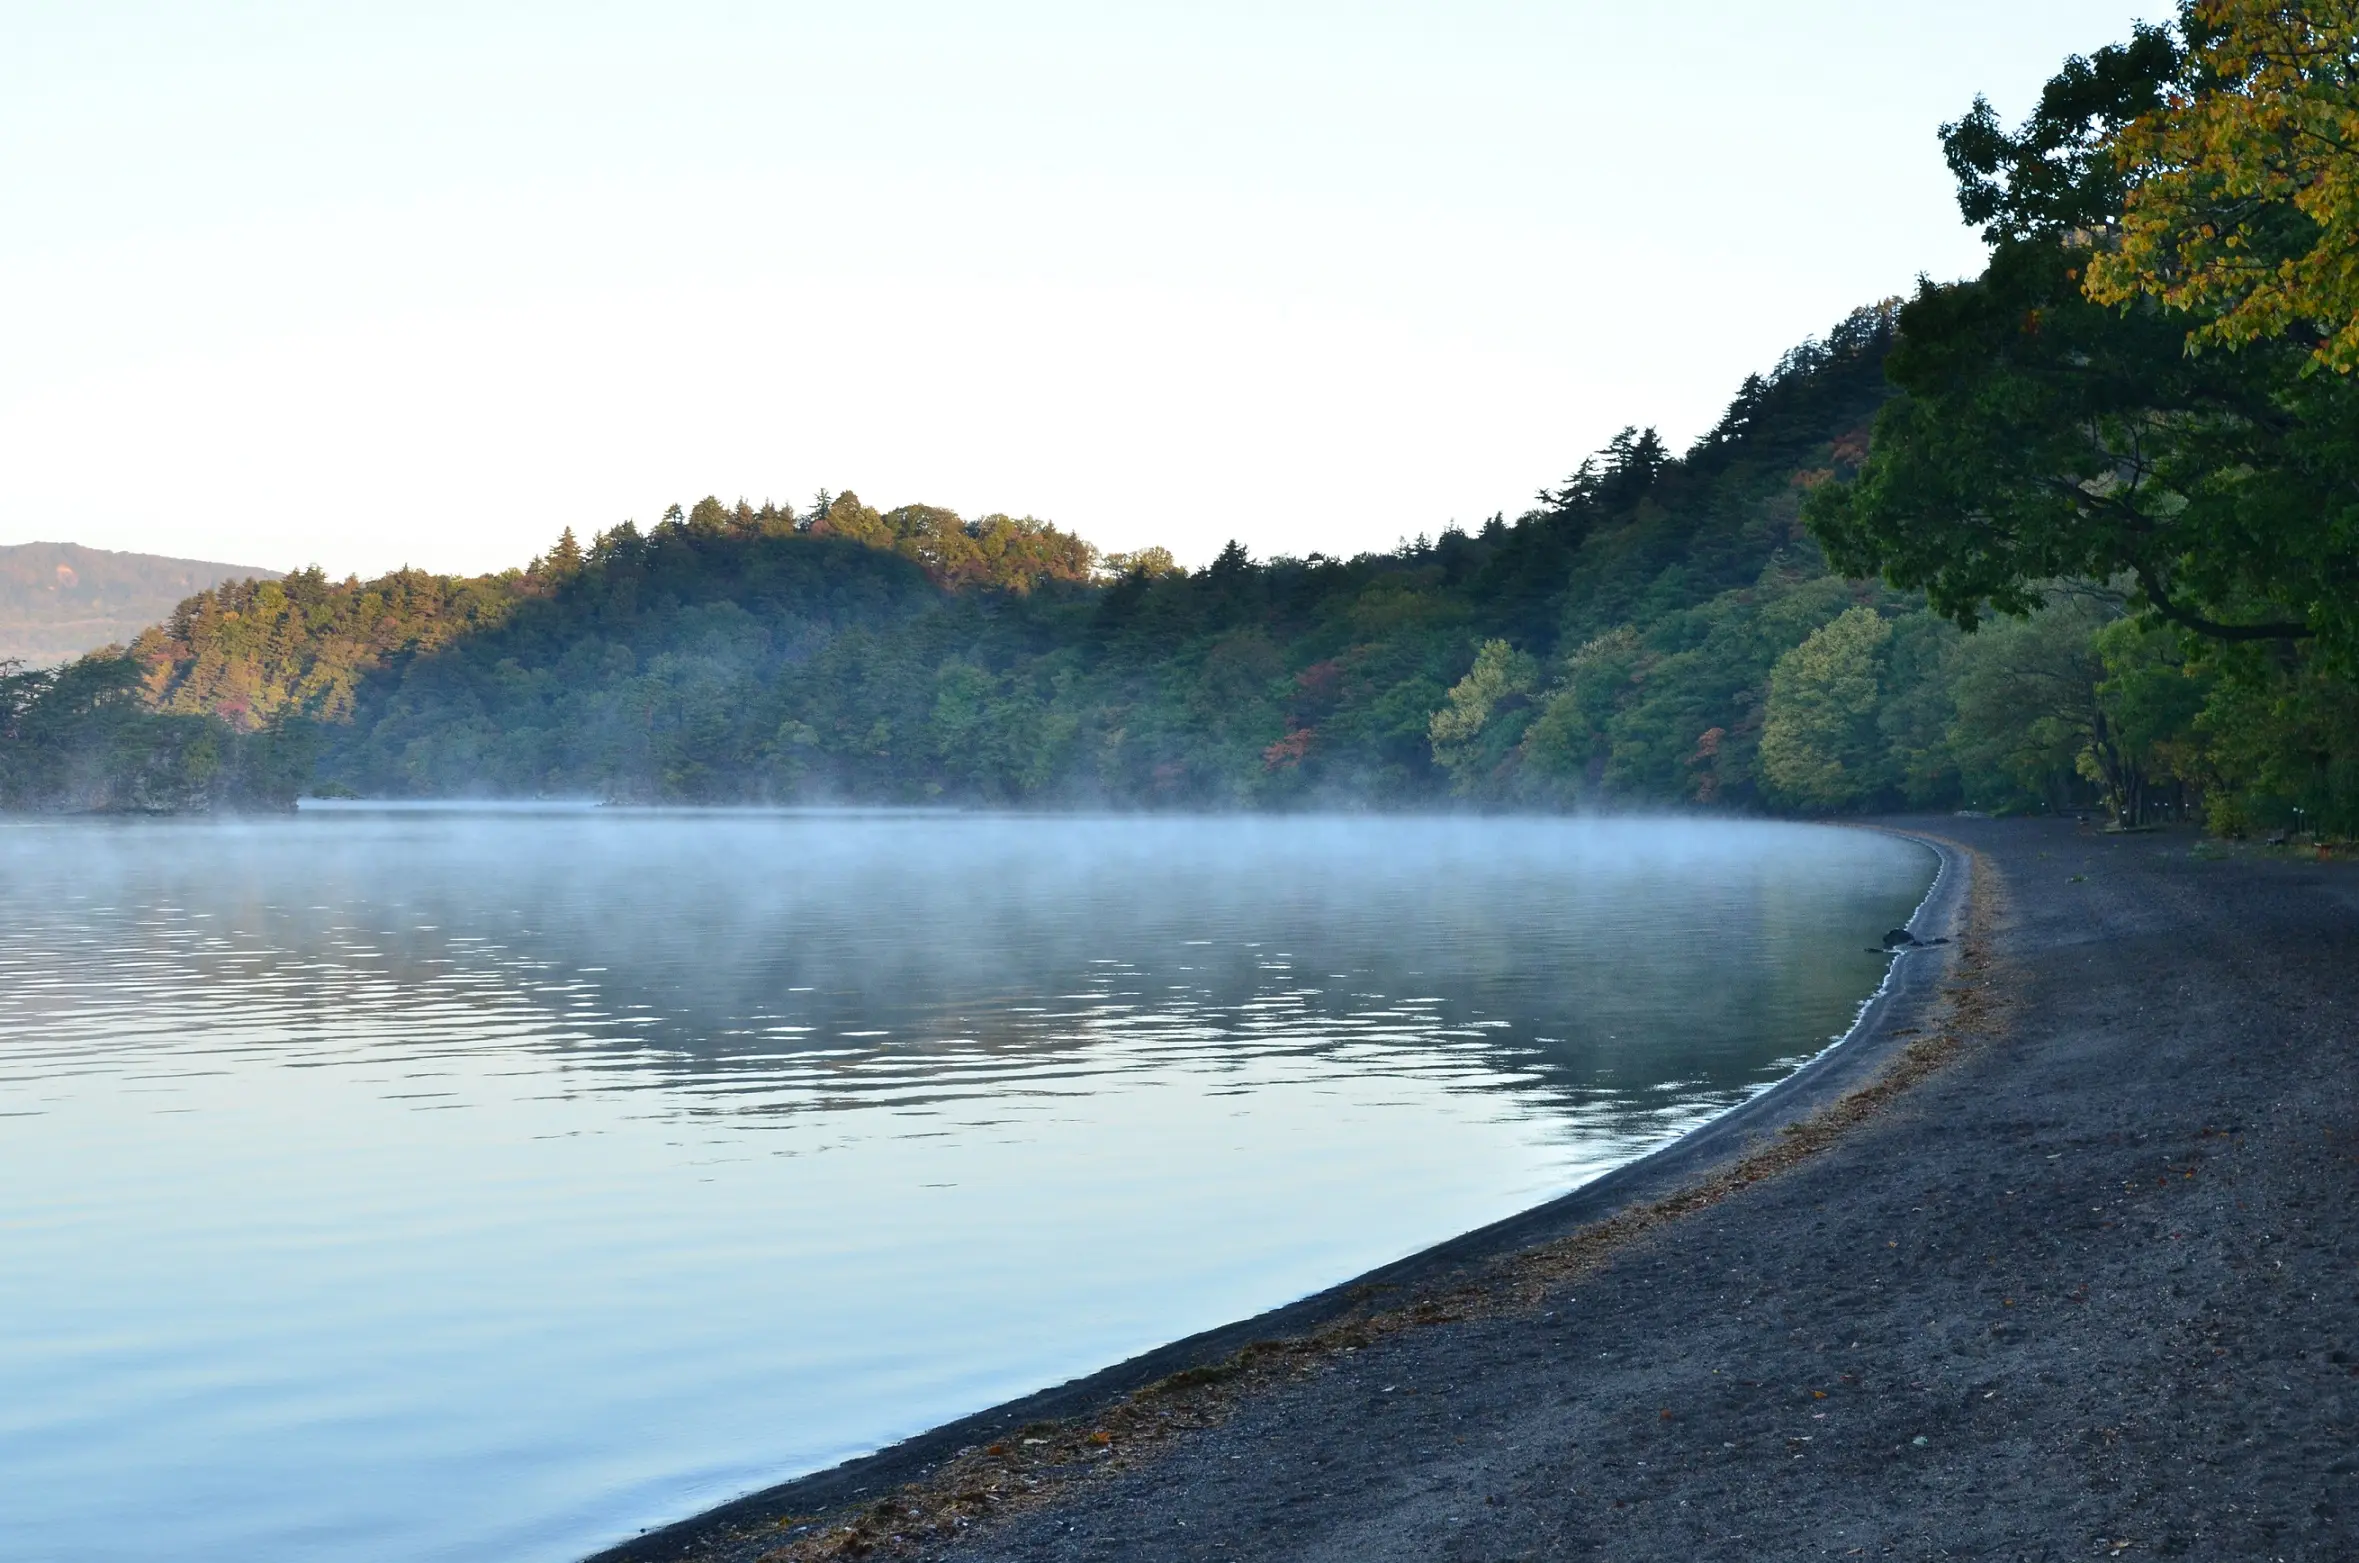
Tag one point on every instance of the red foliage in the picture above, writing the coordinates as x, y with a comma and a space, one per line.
1707, 758
1321, 680
1288, 751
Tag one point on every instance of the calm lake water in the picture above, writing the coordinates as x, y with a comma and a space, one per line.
489, 1186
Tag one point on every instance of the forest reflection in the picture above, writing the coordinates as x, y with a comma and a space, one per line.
407, 1175
771, 963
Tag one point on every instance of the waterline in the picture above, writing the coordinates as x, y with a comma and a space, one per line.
469, 1189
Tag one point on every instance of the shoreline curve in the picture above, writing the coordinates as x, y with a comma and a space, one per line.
1887, 1021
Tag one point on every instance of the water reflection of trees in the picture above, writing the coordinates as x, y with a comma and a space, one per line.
734, 958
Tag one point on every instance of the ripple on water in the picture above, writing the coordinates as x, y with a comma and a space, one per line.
430, 1186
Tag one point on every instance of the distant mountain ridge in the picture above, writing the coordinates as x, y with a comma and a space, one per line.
59, 600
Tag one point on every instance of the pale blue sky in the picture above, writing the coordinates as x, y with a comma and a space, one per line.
367, 284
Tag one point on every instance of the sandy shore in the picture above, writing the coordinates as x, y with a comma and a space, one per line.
2058, 1258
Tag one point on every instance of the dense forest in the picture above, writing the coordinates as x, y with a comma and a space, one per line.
732, 653
81, 738
2027, 541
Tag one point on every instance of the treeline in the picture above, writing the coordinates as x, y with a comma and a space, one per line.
1884, 704
2149, 386
2080, 532
735, 653
1659, 631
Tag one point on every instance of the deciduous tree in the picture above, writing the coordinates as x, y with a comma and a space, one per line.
2241, 205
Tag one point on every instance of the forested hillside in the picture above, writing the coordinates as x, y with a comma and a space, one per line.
734, 653
1660, 630
2094, 535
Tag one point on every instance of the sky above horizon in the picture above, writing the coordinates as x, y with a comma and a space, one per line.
371, 285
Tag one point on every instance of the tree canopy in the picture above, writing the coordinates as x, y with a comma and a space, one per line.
2044, 434
2240, 203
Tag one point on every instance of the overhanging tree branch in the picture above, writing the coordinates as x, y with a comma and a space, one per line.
2185, 618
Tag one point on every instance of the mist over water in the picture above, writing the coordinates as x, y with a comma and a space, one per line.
449, 1185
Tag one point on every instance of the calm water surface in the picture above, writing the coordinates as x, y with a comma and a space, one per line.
488, 1186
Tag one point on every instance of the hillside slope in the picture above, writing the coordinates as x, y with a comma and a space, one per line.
733, 654
1661, 630
59, 600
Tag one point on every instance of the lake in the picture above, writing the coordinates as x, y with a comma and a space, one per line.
492, 1184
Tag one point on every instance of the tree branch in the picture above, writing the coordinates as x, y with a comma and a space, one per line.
2187, 619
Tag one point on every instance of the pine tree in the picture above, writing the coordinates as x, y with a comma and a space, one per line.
566, 557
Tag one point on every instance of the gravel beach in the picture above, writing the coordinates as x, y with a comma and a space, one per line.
2078, 1278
